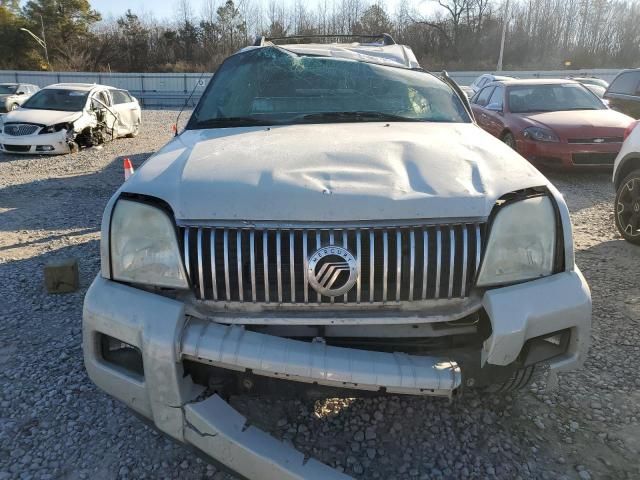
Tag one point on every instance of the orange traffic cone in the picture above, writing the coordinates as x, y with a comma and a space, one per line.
128, 169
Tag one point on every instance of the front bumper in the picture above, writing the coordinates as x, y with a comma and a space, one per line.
55, 144
166, 336
569, 155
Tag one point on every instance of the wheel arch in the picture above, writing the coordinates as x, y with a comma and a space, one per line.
627, 165
504, 131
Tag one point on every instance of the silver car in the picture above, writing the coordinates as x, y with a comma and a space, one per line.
12, 95
330, 220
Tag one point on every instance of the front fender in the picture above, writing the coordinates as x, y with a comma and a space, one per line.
624, 167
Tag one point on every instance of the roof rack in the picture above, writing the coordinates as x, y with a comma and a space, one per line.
385, 37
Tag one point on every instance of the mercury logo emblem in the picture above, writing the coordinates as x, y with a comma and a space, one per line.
332, 270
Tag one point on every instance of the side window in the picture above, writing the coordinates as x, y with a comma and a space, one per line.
626, 83
99, 100
120, 96
483, 96
497, 97
482, 81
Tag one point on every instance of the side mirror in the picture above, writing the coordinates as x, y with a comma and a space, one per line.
20, 93
494, 107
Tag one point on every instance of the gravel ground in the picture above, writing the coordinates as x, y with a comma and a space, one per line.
54, 423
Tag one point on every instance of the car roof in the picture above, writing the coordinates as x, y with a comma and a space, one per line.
537, 81
85, 87
393, 55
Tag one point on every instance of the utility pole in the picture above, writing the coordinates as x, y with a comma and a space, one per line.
41, 41
504, 34
46, 51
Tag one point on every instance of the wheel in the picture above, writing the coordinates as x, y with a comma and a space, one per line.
509, 139
520, 380
627, 208
135, 132
14, 106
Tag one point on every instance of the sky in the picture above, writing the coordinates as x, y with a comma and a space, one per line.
163, 9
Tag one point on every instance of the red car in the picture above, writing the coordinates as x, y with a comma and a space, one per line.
551, 122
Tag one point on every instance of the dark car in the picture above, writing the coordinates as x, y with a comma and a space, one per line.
551, 122
624, 93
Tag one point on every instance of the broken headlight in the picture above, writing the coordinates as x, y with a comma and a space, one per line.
55, 128
521, 243
144, 246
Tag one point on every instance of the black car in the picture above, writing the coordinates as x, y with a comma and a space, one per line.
624, 93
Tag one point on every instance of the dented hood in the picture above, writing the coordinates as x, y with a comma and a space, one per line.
334, 172
41, 117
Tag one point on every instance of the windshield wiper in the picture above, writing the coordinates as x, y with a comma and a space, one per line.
233, 122
358, 117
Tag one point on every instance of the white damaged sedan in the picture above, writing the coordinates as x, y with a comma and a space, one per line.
64, 117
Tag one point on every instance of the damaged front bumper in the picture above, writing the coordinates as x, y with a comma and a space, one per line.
56, 143
166, 337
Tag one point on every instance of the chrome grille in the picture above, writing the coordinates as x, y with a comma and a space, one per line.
19, 129
396, 264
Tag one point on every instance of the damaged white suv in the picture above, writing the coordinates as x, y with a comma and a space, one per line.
331, 220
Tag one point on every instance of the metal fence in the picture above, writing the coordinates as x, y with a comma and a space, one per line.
171, 90
153, 90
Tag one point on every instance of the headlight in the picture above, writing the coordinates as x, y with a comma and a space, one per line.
540, 134
55, 128
144, 248
521, 243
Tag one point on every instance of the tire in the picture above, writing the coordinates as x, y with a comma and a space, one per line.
626, 209
520, 380
510, 140
14, 106
136, 131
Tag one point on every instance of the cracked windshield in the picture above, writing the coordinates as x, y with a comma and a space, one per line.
275, 86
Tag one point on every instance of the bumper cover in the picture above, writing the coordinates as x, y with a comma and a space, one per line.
26, 144
235, 348
560, 154
165, 336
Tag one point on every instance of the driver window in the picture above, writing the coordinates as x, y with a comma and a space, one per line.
497, 98
483, 97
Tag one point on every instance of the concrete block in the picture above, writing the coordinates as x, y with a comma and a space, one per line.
61, 276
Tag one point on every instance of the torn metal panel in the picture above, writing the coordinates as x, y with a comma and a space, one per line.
518, 314
235, 348
221, 432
